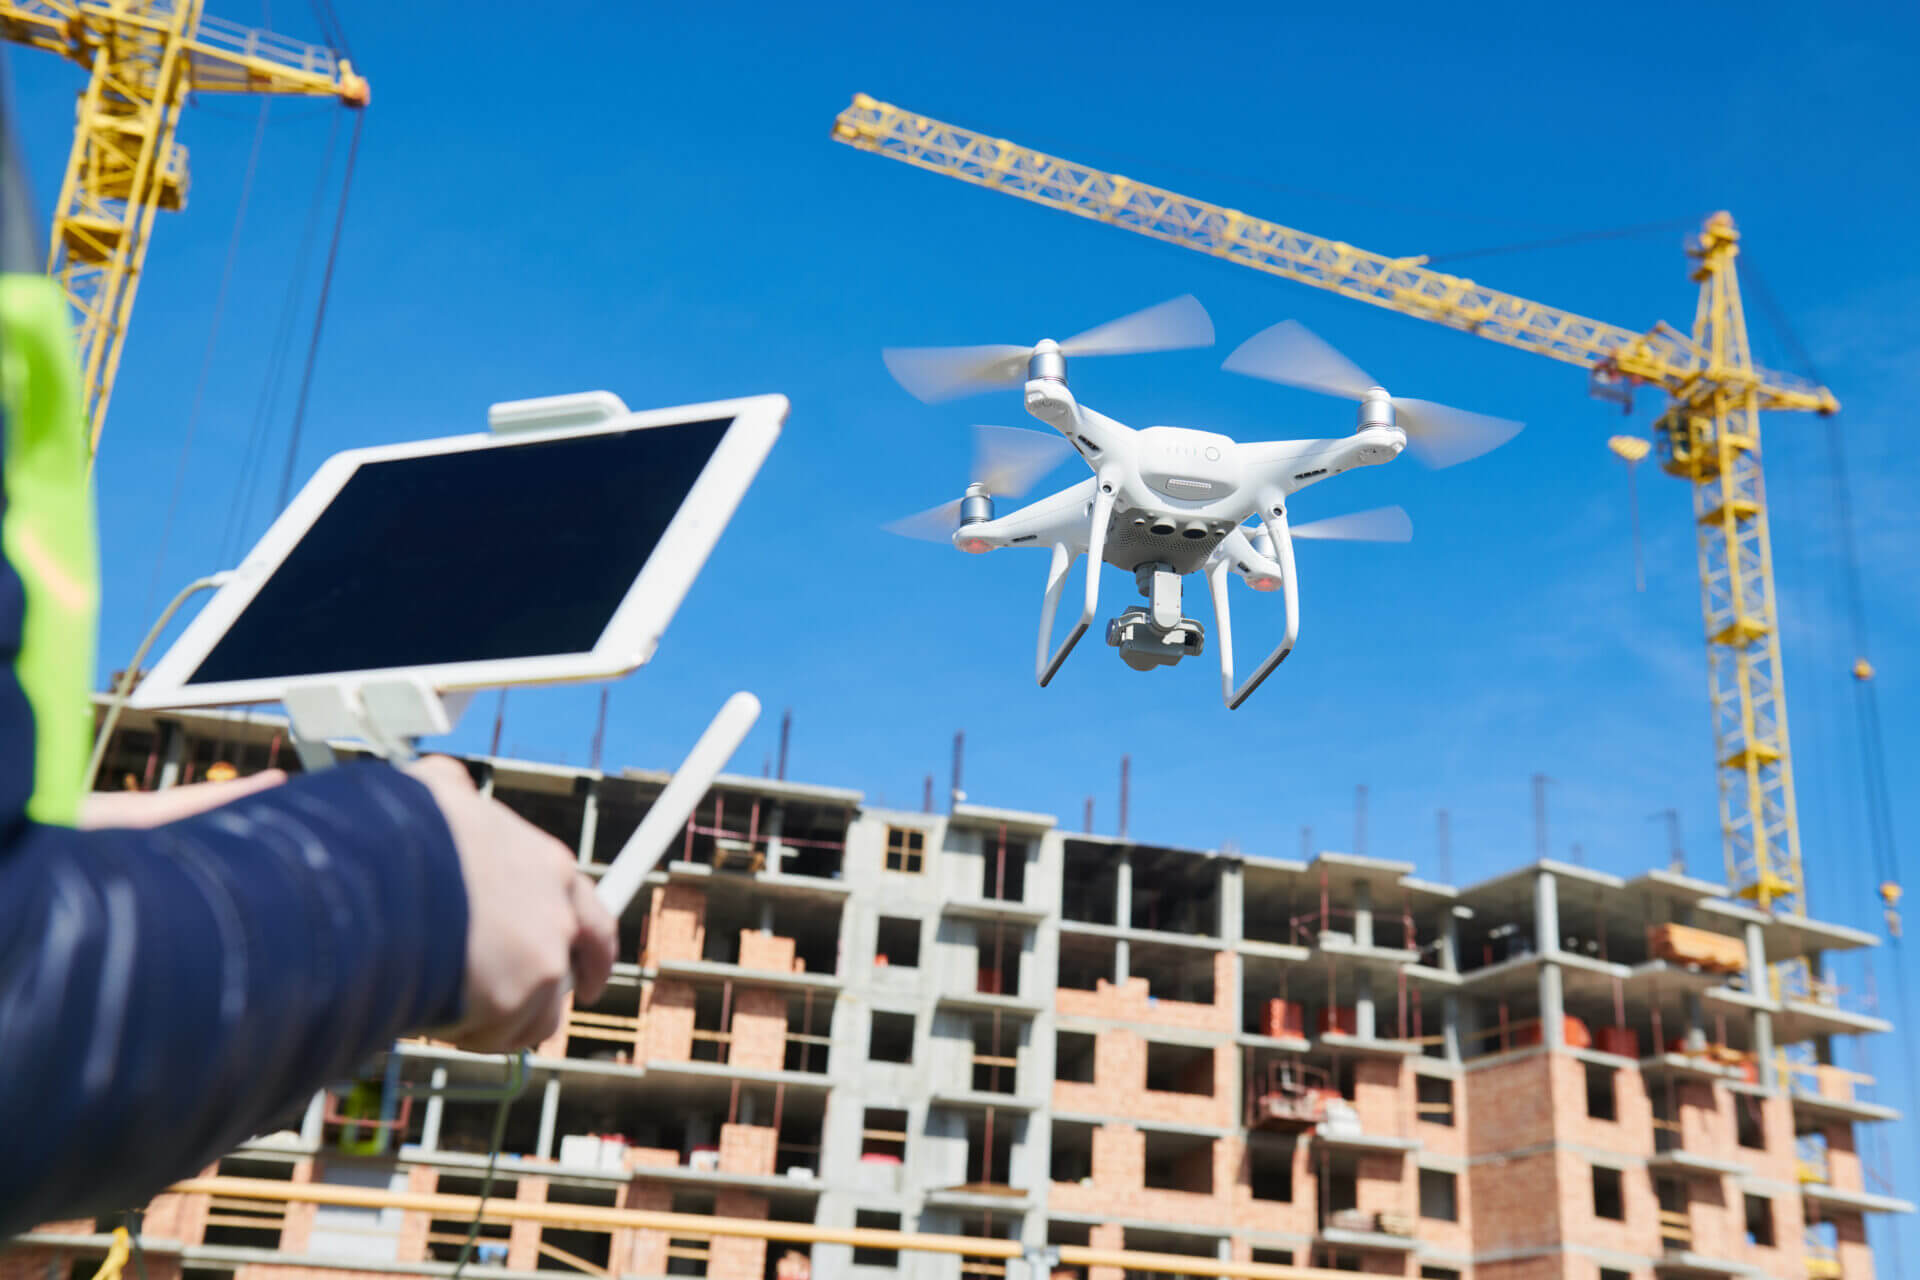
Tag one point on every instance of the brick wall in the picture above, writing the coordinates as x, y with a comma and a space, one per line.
1517, 1203
1441, 1139
1630, 1133
1856, 1258
1381, 1183
1843, 1162
1512, 1104
37, 1263
759, 1030
296, 1235
1549, 1268
274, 1271
666, 1021
676, 924
1579, 1225
1383, 1097
523, 1239
173, 1216
738, 1257
1786, 1257
415, 1224
1107, 1235
1129, 1002
767, 951
648, 1248
1119, 1086
748, 1148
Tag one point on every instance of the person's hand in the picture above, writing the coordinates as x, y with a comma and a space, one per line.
535, 930
156, 808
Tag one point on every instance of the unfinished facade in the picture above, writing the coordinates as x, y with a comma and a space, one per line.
976, 1023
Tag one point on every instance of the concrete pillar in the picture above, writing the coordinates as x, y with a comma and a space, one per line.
436, 1106
1757, 960
1123, 893
766, 918
1758, 984
1553, 1027
174, 757
1237, 995
1450, 943
1546, 913
1696, 1019
1763, 1048
1450, 1027
589, 821
549, 1117
1233, 898
311, 1123
776, 826
1120, 962
1363, 1004
1362, 914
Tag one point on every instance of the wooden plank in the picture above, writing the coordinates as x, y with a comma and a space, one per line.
574, 1260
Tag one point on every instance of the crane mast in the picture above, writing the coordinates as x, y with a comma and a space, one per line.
1709, 433
143, 58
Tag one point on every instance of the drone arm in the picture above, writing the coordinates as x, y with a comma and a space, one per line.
1047, 665
1276, 523
1098, 437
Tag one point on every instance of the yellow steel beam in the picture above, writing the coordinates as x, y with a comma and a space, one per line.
596, 1218
1710, 433
143, 57
1661, 355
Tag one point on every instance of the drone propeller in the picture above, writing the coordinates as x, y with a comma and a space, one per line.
1007, 461
943, 373
1290, 354
1380, 524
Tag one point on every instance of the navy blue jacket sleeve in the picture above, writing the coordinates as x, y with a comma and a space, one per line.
164, 993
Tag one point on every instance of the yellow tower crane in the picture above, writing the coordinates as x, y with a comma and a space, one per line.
1709, 434
143, 58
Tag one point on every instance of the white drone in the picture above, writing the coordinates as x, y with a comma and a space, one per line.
1164, 502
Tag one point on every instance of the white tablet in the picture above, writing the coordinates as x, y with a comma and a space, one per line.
508, 558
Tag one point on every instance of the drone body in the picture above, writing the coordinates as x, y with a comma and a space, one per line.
1166, 502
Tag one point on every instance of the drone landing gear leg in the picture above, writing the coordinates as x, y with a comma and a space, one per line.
1045, 665
1217, 583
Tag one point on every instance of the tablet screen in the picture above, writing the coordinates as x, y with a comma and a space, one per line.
514, 551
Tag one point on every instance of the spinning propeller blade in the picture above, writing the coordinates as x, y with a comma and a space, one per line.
932, 374
1292, 355
1174, 325
1010, 460
935, 524
1381, 524
1007, 460
1441, 436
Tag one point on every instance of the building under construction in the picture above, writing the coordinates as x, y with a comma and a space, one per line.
977, 1023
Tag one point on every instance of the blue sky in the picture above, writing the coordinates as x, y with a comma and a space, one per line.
652, 205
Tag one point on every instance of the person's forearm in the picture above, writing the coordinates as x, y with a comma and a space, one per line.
100, 809
165, 992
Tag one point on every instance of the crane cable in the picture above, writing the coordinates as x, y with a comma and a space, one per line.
239, 510
206, 358
319, 319
1880, 835
1880, 829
